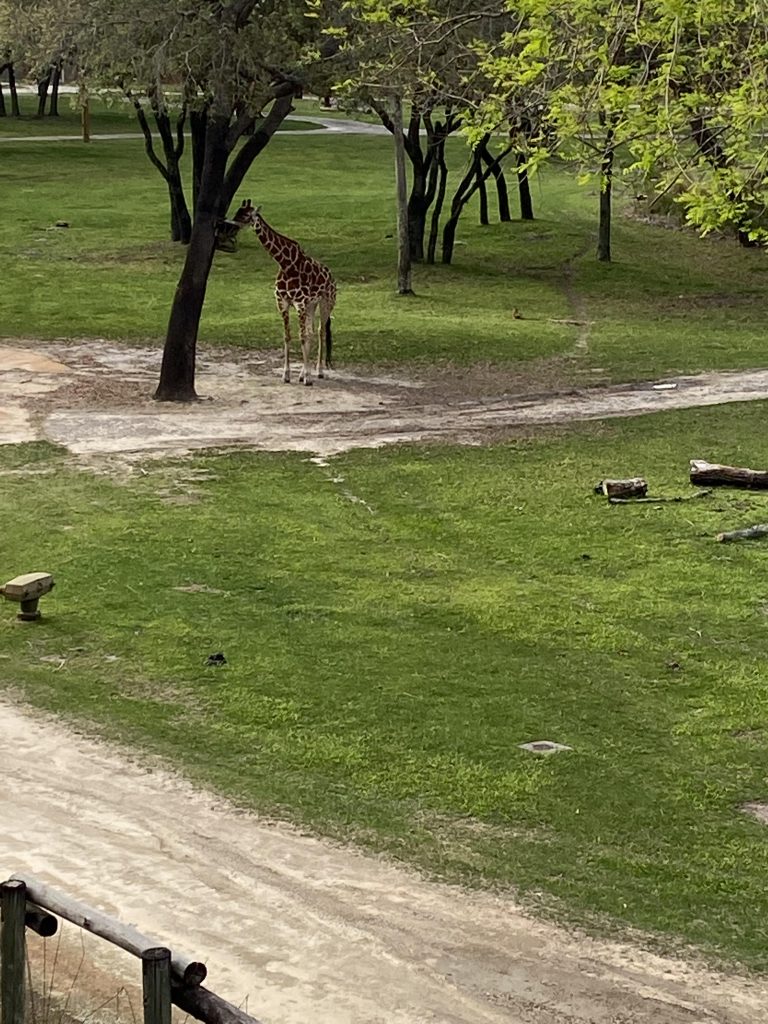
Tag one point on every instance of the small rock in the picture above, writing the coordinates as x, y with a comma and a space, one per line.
216, 659
61, 224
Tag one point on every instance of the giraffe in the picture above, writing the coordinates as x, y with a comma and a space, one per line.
303, 283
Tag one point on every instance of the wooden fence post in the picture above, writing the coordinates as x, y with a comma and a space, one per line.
156, 981
13, 895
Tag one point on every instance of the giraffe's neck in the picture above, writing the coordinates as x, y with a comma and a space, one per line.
282, 249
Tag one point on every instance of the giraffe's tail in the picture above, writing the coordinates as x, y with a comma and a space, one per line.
328, 343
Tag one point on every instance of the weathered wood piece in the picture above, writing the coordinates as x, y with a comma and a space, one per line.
657, 501
28, 589
635, 487
156, 985
185, 971
711, 474
750, 533
207, 1006
40, 922
12, 966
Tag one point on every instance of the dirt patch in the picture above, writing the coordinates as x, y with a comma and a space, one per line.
757, 810
304, 929
101, 405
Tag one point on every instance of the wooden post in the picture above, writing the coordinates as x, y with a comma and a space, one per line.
40, 922
156, 983
14, 907
403, 235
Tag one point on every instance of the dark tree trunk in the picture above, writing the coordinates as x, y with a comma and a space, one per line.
470, 183
53, 109
198, 123
177, 373
606, 189
417, 212
181, 223
42, 92
501, 184
437, 210
483, 193
15, 112
2, 100
524, 188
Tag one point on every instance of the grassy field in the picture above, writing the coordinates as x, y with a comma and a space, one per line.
670, 303
383, 667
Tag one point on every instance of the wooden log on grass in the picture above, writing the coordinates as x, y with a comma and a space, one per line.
185, 972
750, 533
711, 474
635, 487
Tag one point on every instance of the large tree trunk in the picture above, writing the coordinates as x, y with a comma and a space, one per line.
53, 109
524, 188
606, 189
177, 373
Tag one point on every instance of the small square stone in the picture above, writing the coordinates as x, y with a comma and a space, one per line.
544, 747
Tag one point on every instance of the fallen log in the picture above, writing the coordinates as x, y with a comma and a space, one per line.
657, 501
711, 474
185, 972
750, 533
635, 487
204, 1005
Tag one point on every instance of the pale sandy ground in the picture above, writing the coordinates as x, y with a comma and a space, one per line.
309, 931
94, 398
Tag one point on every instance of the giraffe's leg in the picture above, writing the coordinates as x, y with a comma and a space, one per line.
306, 314
285, 311
321, 318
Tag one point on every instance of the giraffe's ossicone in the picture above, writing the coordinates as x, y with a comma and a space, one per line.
302, 283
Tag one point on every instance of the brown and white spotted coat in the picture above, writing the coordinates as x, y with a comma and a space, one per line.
303, 283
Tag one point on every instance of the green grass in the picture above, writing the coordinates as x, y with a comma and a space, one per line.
109, 115
671, 303
382, 668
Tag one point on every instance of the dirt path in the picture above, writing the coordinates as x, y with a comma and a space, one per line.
92, 397
309, 931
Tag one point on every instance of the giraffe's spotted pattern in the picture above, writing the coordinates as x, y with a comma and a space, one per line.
302, 283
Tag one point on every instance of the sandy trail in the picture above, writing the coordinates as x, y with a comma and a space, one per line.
94, 399
307, 930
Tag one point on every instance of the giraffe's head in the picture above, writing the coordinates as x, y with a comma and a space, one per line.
248, 214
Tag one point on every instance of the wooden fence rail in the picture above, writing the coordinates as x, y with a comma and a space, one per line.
167, 977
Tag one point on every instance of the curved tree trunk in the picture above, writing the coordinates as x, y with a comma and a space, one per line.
501, 184
439, 200
524, 188
177, 373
